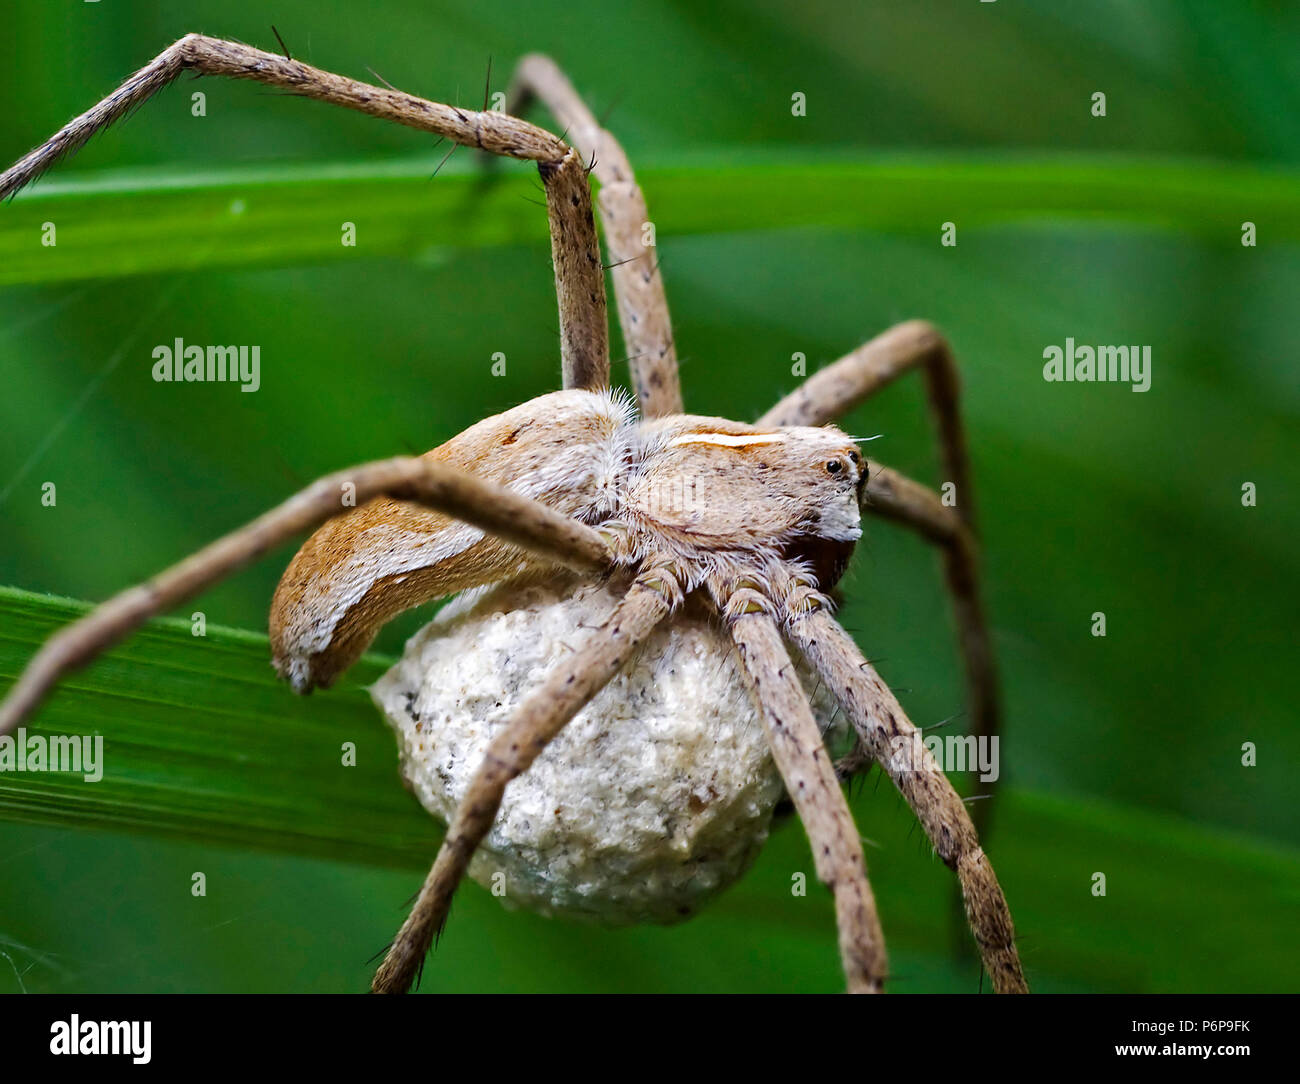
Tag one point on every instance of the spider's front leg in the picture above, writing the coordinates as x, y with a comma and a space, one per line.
629, 238
810, 780
452, 492
832, 392
656, 592
579, 276
836, 389
891, 739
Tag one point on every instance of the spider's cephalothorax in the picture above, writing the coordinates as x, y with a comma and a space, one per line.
636, 581
704, 494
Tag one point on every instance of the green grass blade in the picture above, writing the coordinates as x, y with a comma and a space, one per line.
202, 743
164, 220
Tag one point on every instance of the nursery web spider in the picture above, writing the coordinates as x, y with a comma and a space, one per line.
569, 485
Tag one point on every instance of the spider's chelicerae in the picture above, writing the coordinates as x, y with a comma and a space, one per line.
630, 571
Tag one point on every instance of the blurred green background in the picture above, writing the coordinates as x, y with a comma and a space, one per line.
1122, 754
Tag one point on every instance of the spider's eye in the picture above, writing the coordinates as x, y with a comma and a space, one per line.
857, 459
834, 467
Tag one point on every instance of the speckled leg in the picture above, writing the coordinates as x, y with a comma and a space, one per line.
579, 277
629, 238
654, 594
805, 766
892, 740
436, 485
836, 389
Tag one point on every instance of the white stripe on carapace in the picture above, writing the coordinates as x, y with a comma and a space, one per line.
728, 440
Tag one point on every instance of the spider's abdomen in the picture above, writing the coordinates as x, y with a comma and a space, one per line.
655, 797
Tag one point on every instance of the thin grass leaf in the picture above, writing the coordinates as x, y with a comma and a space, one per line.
170, 220
201, 741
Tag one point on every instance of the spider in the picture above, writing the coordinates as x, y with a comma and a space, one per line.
656, 562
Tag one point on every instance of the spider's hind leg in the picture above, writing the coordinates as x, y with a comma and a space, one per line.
629, 235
